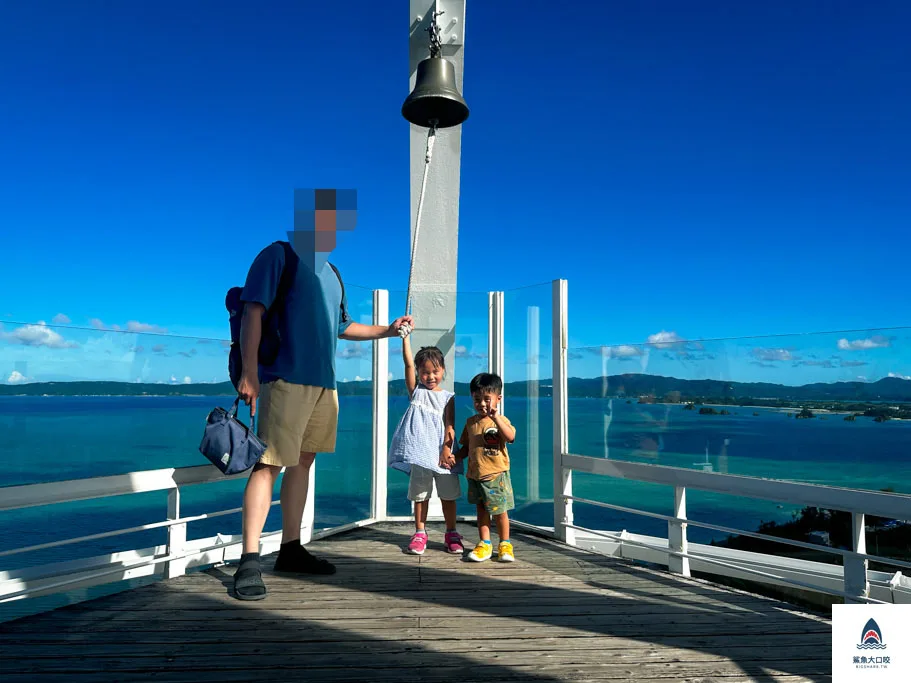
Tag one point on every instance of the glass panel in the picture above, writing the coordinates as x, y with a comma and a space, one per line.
119, 402
470, 342
344, 478
829, 409
527, 399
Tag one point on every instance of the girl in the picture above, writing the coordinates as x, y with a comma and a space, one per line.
422, 445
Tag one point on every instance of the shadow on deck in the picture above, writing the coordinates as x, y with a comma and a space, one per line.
556, 614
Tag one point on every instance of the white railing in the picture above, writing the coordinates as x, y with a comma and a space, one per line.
854, 583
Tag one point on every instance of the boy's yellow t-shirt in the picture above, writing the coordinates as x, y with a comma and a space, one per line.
487, 454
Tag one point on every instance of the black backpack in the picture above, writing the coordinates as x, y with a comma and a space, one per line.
270, 342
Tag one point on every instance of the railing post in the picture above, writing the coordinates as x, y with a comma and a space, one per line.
855, 568
495, 336
380, 407
309, 508
177, 537
563, 477
533, 375
676, 535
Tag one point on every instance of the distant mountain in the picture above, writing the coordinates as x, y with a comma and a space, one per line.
634, 385
630, 385
114, 389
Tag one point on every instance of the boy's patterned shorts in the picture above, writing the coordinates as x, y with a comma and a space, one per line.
494, 494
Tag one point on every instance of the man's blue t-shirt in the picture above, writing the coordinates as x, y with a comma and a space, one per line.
310, 323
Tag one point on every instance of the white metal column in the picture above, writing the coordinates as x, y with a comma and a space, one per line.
676, 535
177, 537
380, 407
495, 353
436, 253
309, 508
533, 427
855, 568
563, 477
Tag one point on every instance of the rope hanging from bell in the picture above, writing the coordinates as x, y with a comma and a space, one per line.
434, 103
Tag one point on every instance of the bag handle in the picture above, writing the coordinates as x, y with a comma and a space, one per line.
232, 413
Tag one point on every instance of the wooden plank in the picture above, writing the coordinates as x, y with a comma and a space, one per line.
418, 658
437, 667
452, 605
414, 575
428, 595
733, 646
258, 675
316, 631
456, 626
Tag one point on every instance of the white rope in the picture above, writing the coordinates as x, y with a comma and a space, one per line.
405, 330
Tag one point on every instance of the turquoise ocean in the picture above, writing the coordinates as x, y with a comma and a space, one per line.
62, 438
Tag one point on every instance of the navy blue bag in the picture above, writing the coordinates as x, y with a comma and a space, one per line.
228, 443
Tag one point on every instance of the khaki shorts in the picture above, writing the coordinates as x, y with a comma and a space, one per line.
420, 485
295, 419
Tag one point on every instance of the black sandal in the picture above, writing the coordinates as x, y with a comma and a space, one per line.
248, 580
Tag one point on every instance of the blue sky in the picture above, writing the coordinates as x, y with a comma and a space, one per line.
701, 169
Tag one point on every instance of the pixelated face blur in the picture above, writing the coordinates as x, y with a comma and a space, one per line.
318, 217
430, 374
484, 401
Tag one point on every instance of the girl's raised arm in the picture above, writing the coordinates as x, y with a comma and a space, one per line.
408, 359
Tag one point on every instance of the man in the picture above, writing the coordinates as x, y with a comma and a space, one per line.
297, 400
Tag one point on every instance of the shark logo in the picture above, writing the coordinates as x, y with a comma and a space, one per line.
872, 637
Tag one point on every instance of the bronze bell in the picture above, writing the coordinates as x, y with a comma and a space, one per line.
435, 96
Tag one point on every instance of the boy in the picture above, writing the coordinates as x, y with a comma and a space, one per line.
483, 442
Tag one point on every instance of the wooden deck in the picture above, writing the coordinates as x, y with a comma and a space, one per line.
556, 614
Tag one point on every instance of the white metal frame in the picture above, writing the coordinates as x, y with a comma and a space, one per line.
563, 476
378, 498
495, 335
533, 377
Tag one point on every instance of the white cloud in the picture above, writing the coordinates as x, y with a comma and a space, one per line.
895, 375
353, 351
61, 319
773, 354
96, 323
358, 378
391, 377
876, 342
173, 379
664, 340
39, 335
16, 377
624, 351
463, 352
134, 326
187, 380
